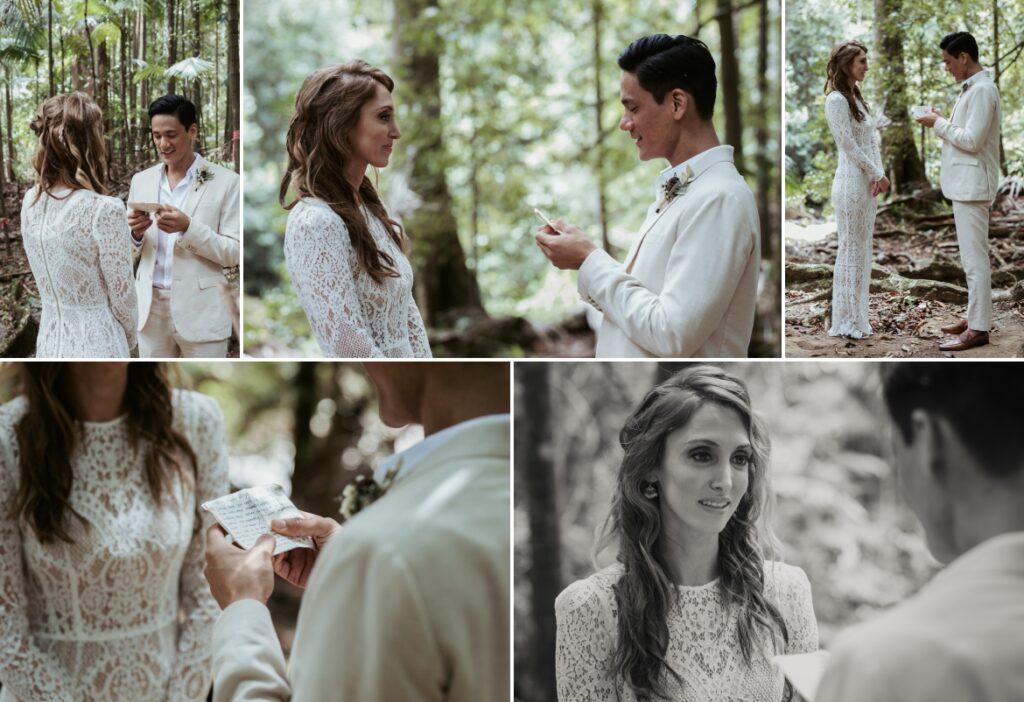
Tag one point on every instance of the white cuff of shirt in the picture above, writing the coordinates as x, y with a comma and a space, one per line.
594, 265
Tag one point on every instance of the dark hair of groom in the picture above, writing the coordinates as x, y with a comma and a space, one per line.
960, 43
176, 105
983, 403
662, 63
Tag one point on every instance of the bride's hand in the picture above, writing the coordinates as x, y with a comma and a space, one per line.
883, 185
296, 565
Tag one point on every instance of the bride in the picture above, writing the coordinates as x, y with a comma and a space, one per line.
76, 238
859, 178
344, 252
691, 611
102, 595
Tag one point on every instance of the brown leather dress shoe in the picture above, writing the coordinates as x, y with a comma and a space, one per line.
967, 340
955, 328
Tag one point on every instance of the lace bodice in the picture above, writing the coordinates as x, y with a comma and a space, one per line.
703, 644
80, 253
858, 141
351, 315
860, 165
124, 613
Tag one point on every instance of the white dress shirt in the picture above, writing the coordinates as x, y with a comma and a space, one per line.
175, 197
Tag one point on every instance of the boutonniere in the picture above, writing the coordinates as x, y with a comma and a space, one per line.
364, 491
964, 88
675, 187
203, 176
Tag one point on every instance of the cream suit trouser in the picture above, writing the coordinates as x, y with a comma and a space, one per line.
971, 220
159, 338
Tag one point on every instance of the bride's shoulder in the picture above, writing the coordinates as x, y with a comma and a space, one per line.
196, 409
313, 213
594, 590
835, 97
785, 582
11, 413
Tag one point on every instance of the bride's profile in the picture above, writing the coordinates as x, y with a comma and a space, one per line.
859, 178
345, 253
691, 610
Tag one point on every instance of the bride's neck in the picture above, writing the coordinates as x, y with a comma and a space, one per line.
97, 390
692, 558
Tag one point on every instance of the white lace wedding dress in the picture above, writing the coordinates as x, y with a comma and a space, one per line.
703, 645
351, 315
80, 254
124, 613
860, 164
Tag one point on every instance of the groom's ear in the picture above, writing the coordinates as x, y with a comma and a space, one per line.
930, 435
680, 102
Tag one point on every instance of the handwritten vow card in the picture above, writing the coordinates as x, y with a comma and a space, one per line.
246, 516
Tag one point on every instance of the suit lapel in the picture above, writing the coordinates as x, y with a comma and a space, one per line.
196, 192
631, 259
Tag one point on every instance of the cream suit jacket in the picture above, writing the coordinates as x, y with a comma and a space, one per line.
970, 142
210, 245
691, 290
409, 602
961, 639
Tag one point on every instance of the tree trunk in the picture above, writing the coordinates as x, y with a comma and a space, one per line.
730, 81
92, 54
899, 152
9, 110
445, 281
597, 12
231, 110
197, 43
49, 44
3, 182
764, 181
172, 47
997, 74
545, 543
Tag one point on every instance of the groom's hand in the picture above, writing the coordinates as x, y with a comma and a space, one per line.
928, 119
138, 222
296, 565
567, 248
171, 219
236, 574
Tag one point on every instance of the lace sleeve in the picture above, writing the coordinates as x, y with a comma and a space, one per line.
193, 663
840, 123
584, 645
26, 672
112, 234
418, 333
322, 262
798, 610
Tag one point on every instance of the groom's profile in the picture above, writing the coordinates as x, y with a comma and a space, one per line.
688, 285
958, 460
969, 177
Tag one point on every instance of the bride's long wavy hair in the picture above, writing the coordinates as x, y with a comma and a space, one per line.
72, 149
327, 109
48, 435
645, 592
838, 78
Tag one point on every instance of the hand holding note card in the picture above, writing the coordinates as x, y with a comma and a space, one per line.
804, 671
246, 514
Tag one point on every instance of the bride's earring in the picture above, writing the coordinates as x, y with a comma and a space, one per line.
650, 491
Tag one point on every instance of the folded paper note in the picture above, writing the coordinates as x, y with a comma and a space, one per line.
246, 514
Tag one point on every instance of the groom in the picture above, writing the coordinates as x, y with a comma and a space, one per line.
184, 245
411, 599
687, 288
969, 177
961, 470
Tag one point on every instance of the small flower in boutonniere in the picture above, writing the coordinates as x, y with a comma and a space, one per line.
675, 187
203, 176
364, 491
